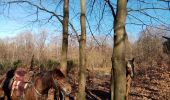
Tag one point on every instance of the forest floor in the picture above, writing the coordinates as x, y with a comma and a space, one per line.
149, 83
152, 83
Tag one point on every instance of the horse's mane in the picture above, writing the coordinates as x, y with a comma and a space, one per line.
47, 79
58, 73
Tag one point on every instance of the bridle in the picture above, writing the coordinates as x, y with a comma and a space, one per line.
39, 94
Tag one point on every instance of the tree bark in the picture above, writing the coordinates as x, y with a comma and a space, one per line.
82, 54
65, 37
118, 86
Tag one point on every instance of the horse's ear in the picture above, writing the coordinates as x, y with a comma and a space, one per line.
63, 72
60, 71
133, 59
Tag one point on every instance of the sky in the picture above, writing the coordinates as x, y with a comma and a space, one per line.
19, 18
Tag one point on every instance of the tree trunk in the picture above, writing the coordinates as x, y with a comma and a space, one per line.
82, 56
112, 83
65, 37
118, 57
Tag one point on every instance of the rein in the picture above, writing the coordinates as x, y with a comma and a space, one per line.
37, 91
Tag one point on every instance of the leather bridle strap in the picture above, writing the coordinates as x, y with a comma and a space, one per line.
37, 91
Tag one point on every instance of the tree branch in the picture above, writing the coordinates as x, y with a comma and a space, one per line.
92, 32
38, 7
74, 31
111, 7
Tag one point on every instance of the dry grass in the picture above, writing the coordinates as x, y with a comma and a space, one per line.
100, 69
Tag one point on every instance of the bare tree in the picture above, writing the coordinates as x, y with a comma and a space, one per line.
65, 37
118, 72
121, 45
118, 57
82, 55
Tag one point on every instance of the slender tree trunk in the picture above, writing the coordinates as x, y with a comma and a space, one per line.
65, 37
118, 57
112, 83
82, 57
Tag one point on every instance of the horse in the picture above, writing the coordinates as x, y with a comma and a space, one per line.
45, 81
36, 85
129, 75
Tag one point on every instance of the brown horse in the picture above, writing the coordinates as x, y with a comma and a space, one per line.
45, 81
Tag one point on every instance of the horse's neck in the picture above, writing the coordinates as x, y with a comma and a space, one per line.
42, 85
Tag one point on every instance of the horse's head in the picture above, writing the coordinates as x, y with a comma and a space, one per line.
130, 67
61, 81
65, 86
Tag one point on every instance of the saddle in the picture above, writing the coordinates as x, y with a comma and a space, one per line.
20, 82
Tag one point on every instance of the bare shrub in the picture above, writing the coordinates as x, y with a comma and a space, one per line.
149, 49
46, 50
